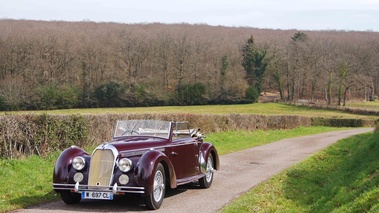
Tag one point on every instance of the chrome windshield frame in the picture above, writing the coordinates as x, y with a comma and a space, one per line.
155, 128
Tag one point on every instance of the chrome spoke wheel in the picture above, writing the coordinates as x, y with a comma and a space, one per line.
158, 186
209, 173
155, 198
206, 181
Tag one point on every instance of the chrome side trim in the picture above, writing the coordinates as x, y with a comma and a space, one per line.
140, 152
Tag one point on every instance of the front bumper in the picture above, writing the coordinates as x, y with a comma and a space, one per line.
83, 188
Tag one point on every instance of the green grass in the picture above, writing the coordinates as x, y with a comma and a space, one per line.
373, 105
232, 141
27, 182
258, 108
342, 178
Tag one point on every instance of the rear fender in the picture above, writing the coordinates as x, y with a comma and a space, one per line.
147, 165
63, 164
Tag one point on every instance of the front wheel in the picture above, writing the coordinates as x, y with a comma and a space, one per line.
70, 198
155, 198
206, 181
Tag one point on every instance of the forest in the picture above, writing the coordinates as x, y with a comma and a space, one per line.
61, 65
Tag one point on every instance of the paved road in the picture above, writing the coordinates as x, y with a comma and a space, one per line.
240, 171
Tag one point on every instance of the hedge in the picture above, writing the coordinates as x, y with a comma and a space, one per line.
23, 135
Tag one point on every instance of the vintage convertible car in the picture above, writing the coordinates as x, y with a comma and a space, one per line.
144, 157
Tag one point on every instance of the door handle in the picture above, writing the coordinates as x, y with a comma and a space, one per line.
174, 153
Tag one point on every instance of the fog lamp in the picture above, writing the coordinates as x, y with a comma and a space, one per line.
123, 179
78, 177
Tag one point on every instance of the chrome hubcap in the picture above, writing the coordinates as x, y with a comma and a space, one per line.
209, 169
158, 186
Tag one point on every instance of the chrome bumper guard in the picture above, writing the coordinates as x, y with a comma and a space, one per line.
115, 188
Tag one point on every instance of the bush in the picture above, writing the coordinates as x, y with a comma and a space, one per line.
109, 95
115, 94
47, 97
55, 97
335, 122
139, 95
68, 97
191, 94
41, 134
3, 104
251, 94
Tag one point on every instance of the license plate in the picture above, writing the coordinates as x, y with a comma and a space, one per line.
97, 195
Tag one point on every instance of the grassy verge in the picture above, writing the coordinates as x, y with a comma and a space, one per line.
27, 182
227, 142
342, 178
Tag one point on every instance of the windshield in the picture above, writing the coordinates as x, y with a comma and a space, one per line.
152, 128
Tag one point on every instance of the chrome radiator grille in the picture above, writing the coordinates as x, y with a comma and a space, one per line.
102, 166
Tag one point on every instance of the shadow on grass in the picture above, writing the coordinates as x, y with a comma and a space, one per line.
28, 201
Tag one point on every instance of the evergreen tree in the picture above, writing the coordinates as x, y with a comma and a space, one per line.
255, 63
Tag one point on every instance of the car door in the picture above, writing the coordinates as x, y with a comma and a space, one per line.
183, 154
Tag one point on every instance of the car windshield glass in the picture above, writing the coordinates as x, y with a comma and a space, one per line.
152, 128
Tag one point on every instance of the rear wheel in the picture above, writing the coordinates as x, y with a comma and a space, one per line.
155, 198
70, 198
206, 181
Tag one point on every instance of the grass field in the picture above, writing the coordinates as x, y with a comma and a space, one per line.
364, 104
258, 108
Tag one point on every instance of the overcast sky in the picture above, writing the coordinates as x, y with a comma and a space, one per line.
360, 15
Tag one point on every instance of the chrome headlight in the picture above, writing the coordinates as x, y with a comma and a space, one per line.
125, 164
78, 163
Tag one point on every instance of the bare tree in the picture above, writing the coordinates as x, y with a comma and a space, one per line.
297, 53
163, 52
278, 69
182, 52
133, 51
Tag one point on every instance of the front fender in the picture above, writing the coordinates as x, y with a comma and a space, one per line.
207, 149
147, 165
63, 165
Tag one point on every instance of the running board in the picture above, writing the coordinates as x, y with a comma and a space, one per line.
189, 179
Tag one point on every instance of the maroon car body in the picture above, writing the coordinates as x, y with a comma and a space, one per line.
144, 157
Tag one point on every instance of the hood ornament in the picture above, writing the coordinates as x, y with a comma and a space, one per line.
103, 146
